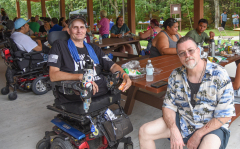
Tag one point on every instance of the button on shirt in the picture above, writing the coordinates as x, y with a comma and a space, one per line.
224, 17
214, 98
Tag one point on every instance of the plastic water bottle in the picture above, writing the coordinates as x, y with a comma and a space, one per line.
219, 42
213, 47
149, 70
100, 39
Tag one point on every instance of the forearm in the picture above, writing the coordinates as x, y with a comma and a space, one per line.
127, 33
114, 35
213, 124
115, 68
169, 117
62, 76
166, 51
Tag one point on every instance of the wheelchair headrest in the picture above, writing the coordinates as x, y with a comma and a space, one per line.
55, 35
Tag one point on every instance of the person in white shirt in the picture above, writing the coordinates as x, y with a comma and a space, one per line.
24, 42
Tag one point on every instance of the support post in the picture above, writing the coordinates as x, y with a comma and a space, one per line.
62, 8
131, 15
90, 13
29, 9
198, 11
43, 8
18, 8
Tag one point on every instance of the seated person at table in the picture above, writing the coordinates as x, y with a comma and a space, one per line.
44, 29
116, 32
236, 80
24, 42
69, 56
198, 104
103, 24
199, 35
65, 25
165, 41
151, 33
34, 26
55, 26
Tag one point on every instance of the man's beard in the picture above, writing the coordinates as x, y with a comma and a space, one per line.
191, 65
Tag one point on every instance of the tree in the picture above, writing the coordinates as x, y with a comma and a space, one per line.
115, 7
217, 13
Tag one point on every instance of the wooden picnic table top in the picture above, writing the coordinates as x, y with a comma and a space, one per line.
167, 63
117, 41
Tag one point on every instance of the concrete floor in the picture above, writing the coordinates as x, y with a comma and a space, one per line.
24, 121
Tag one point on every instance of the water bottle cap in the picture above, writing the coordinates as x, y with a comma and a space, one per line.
149, 61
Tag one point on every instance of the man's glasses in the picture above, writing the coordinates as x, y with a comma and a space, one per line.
190, 51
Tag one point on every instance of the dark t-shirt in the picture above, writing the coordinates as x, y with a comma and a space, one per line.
60, 56
42, 29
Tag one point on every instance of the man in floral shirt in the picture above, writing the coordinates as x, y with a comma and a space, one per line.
198, 105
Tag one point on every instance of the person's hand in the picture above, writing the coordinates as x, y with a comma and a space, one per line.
211, 34
119, 35
95, 87
127, 82
194, 141
176, 139
44, 33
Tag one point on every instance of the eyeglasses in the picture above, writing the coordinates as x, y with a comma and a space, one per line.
190, 51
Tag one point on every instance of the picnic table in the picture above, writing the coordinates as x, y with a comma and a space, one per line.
141, 90
115, 43
237, 29
143, 23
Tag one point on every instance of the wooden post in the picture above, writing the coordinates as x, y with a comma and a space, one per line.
198, 11
29, 9
90, 13
62, 8
18, 8
131, 15
43, 8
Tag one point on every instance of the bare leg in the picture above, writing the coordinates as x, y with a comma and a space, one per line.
128, 48
151, 131
211, 141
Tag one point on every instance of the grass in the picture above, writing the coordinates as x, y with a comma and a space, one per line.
184, 32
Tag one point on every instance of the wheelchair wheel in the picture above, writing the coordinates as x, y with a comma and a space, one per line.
59, 143
43, 144
12, 96
5, 90
39, 86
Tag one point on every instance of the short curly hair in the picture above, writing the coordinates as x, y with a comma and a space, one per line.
103, 13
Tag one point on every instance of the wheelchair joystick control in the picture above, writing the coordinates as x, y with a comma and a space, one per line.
87, 85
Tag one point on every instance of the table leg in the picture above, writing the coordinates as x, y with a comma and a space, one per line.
130, 100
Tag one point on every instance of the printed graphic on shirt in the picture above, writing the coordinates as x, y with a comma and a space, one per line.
106, 58
81, 65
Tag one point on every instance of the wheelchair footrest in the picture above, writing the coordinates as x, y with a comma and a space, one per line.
68, 129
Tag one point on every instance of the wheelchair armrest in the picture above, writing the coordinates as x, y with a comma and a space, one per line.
1, 43
32, 53
76, 85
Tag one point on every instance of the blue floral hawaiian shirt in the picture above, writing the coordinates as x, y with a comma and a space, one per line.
214, 98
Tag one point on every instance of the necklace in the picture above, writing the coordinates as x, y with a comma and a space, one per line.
195, 93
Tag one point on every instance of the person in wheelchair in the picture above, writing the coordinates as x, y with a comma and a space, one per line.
67, 58
23, 41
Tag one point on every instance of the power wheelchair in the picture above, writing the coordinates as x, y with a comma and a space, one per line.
25, 71
76, 128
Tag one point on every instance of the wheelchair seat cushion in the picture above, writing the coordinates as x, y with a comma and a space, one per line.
96, 104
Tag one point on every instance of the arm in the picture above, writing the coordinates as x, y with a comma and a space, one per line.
56, 75
145, 34
39, 46
126, 78
116, 35
162, 44
236, 83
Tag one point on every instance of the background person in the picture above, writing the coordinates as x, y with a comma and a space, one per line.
4, 16
38, 21
165, 41
161, 22
61, 20
235, 20
34, 26
65, 24
198, 34
44, 29
197, 107
116, 32
103, 24
151, 33
223, 19
55, 26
